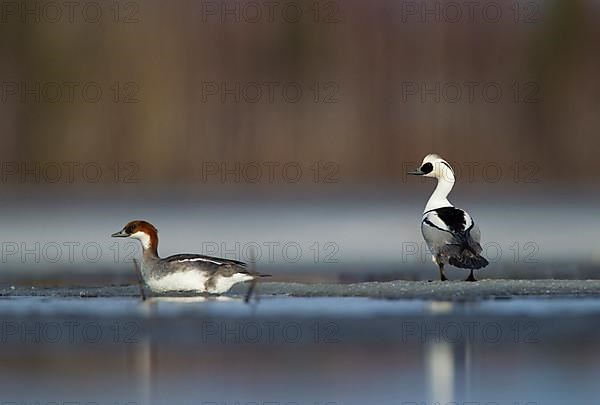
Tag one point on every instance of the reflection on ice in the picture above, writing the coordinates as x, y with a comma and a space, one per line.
440, 369
349, 351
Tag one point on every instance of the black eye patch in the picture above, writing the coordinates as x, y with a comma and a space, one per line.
130, 229
427, 168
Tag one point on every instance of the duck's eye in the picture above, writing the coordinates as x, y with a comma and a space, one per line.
427, 168
129, 229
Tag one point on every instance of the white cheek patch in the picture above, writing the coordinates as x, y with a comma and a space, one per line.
142, 237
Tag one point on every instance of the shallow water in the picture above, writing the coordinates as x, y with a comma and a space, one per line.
333, 350
281, 306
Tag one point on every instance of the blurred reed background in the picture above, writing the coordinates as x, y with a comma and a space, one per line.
367, 49
188, 98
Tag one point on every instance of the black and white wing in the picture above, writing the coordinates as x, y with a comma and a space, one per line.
207, 263
452, 234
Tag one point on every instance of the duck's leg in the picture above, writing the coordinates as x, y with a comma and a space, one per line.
471, 277
254, 280
140, 280
442, 275
251, 291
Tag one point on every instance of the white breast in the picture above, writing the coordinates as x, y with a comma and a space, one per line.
192, 280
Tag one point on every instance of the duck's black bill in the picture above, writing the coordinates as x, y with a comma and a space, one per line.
120, 234
416, 173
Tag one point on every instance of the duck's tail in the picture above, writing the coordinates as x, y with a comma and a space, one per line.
468, 259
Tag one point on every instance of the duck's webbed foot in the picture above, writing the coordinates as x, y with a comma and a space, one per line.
471, 277
442, 275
